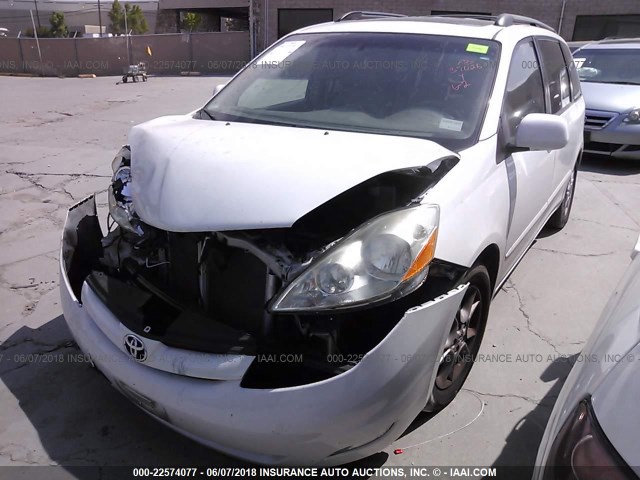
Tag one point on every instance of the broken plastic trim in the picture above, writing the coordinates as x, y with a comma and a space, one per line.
287, 252
81, 243
381, 194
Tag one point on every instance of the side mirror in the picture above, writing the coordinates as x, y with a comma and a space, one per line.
541, 131
636, 250
218, 88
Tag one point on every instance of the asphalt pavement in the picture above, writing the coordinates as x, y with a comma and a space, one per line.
57, 140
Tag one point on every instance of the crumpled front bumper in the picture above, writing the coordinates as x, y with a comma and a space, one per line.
334, 421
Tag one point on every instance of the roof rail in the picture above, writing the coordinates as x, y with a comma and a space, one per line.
358, 15
502, 20
617, 40
508, 19
491, 18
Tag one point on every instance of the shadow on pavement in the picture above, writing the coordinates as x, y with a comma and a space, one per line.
81, 421
609, 166
521, 445
419, 421
79, 418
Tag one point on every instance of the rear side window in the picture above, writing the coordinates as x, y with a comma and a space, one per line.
576, 91
525, 93
555, 74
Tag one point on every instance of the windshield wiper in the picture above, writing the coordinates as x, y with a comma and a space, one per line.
203, 111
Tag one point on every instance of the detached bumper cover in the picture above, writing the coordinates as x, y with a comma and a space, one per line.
334, 421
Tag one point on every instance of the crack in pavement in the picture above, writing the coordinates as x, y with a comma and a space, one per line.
613, 200
602, 224
33, 182
27, 177
64, 189
573, 254
27, 258
534, 401
511, 285
19, 287
73, 176
615, 182
54, 347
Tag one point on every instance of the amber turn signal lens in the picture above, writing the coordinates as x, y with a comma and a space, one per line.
424, 257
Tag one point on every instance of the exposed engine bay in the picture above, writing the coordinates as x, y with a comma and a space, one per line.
214, 291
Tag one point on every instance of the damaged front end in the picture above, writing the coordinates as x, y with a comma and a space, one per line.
324, 291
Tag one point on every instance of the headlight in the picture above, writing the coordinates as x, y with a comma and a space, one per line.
120, 201
385, 258
582, 452
633, 116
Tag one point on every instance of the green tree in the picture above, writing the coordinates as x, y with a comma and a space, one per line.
191, 21
136, 22
130, 16
58, 28
116, 15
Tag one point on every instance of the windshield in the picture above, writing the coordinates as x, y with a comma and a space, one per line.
621, 66
425, 86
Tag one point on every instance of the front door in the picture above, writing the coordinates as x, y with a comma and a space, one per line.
530, 174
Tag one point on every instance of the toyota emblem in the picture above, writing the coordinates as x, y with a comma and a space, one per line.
135, 348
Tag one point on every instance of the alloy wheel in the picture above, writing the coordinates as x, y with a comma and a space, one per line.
459, 347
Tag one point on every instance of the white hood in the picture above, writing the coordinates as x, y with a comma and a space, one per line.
193, 175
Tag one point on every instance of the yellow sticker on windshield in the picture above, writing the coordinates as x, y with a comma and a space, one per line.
476, 48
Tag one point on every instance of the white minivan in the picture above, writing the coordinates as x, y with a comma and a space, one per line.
297, 269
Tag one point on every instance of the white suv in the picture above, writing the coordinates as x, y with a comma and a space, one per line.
299, 268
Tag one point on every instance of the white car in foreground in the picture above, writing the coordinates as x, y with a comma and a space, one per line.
593, 429
295, 271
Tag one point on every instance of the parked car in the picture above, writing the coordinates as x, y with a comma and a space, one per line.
610, 74
296, 270
573, 46
593, 429
4, 32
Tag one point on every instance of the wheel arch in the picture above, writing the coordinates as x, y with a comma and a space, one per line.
490, 258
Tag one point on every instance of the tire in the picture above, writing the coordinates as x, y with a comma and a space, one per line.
455, 367
561, 216
124, 79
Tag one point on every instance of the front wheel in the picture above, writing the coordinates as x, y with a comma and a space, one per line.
561, 216
463, 342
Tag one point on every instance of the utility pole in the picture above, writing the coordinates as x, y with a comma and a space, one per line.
35, 34
252, 30
126, 33
37, 13
100, 17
